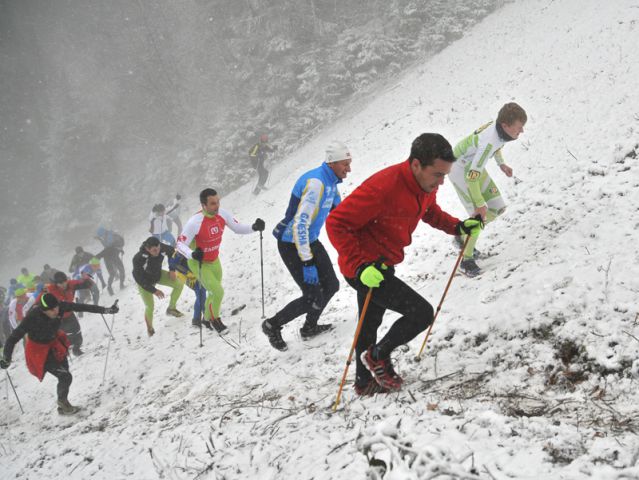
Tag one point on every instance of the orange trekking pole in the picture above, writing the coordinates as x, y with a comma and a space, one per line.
350, 355
439, 307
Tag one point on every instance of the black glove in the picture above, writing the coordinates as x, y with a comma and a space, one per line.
197, 254
112, 309
259, 225
4, 363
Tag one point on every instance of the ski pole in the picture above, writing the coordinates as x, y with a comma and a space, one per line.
14, 390
262, 273
106, 359
350, 354
439, 307
202, 306
107, 327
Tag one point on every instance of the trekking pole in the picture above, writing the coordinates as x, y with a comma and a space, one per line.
106, 359
262, 272
107, 327
202, 305
14, 390
350, 354
439, 307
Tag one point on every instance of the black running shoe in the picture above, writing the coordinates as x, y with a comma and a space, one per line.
65, 408
310, 332
219, 327
469, 267
274, 335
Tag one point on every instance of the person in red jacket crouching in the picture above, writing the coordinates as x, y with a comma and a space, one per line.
64, 290
47, 345
369, 230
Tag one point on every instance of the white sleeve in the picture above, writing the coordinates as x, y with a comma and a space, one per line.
233, 224
188, 234
12, 314
306, 212
27, 306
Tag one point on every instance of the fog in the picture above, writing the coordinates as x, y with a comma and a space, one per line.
111, 107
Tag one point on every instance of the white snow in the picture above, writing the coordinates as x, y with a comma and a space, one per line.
491, 397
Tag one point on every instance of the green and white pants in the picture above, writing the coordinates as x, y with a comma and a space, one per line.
490, 192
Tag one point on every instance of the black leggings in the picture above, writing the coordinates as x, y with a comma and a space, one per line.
86, 293
71, 327
314, 297
395, 295
262, 173
61, 371
114, 266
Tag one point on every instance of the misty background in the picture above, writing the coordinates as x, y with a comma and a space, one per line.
111, 107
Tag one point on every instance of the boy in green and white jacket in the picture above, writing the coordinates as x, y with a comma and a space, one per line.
474, 186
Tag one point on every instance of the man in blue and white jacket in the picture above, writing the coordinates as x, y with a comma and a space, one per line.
314, 195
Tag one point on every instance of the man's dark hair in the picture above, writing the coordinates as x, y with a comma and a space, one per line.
429, 146
151, 242
205, 194
60, 277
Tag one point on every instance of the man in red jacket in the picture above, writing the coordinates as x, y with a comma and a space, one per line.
64, 290
370, 230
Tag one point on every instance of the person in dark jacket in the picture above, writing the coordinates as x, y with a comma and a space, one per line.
113, 244
147, 272
370, 230
47, 345
47, 273
80, 258
257, 156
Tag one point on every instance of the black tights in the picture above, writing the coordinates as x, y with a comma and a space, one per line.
61, 371
71, 326
393, 294
314, 297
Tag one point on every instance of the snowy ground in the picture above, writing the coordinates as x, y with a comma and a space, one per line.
532, 369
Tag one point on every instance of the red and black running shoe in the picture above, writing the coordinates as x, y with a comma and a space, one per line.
382, 371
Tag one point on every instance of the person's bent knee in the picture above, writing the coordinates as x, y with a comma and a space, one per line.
330, 288
422, 315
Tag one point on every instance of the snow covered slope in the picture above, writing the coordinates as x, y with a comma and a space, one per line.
532, 369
